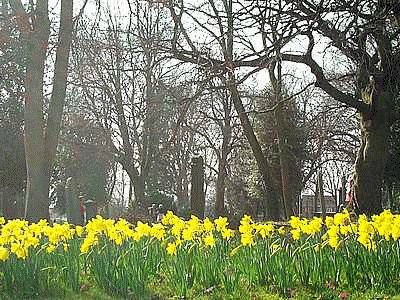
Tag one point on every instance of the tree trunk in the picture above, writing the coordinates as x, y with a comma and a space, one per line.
373, 152
225, 149
37, 189
220, 185
41, 145
58, 94
273, 205
137, 184
179, 191
130, 192
276, 81
138, 190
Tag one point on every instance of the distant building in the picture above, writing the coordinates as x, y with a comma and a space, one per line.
311, 206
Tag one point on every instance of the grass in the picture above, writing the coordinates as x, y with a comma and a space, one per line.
161, 292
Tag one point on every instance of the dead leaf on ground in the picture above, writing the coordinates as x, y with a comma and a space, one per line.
344, 295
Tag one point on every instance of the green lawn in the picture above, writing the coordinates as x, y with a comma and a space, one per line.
93, 293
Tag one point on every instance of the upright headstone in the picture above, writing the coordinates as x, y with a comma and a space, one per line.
90, 209
321, 195
342, 192
72, 202
197, 196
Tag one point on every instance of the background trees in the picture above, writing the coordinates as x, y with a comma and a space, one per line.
269, 93
365, 35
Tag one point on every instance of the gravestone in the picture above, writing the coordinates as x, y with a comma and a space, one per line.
73, 207
90, 209
197, 196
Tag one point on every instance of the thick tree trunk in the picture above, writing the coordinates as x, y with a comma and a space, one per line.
185, 192
137, 184
139, 190
130, 191
390, 195
284, 170
37, 189
373, 154
40, 140
11, 203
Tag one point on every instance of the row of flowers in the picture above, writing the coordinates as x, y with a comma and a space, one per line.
206, 252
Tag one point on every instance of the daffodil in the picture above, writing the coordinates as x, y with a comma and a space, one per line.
281, 230
264, 230
247, 239
188, 234
79, 230
208, 225
221, 223
19, 250
296, 234
158, 231
227, 233
4, 254
209, 240
295, 222
171, 248
90, 241
51, 248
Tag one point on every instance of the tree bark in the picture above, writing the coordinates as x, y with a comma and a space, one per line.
284, 164
137, 183
220, 185
280, 134
273, 205
41, 140
139, 190
37, 189
58, 95
373, 153
223, 158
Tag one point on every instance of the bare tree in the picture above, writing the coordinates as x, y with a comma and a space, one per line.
134, 91
365, 33
41, 128
225, 32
